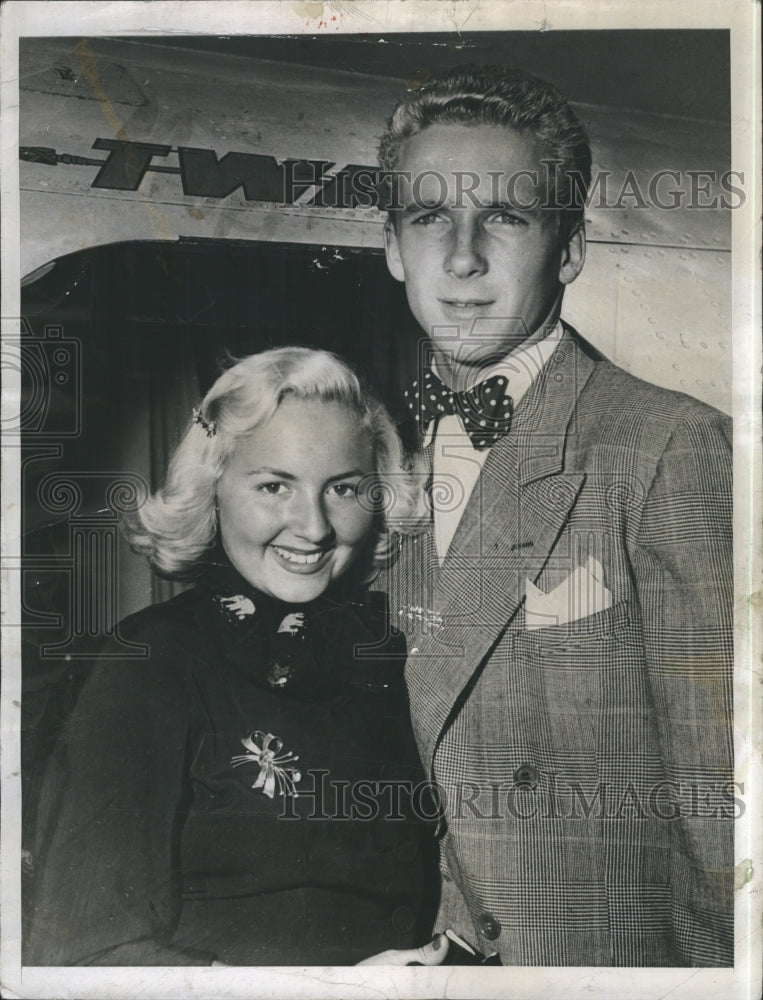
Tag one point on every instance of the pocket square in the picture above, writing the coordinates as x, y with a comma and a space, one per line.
582, 594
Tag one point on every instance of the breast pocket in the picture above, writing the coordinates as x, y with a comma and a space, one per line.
589, 680
612, 624
586, 687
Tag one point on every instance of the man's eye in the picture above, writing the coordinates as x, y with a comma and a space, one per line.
507, 219
343, 489
428, 219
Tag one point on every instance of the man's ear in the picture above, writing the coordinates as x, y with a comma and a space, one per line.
392, 250
573, 256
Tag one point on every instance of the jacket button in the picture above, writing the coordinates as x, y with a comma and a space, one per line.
526, 776
489, 926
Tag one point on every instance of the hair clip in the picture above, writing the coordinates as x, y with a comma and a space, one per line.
208, 425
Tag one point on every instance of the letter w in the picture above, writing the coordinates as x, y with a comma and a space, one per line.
203, 174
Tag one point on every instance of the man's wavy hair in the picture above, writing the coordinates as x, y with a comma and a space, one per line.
497, 95
177, 525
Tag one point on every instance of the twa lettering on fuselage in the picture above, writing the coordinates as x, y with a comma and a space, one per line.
320, 183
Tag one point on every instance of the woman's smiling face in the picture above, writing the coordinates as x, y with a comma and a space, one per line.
292, 506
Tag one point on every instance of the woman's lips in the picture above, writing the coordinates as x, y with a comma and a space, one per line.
302, 561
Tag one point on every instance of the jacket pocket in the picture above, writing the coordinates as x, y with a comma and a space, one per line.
613, 623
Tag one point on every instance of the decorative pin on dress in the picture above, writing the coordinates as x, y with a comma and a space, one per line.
276, 768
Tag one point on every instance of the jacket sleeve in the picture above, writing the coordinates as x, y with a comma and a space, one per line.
684, 577
106, 867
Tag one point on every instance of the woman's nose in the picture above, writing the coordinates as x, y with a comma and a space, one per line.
465, 257
311, 519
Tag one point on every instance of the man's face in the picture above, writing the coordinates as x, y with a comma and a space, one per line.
483, 267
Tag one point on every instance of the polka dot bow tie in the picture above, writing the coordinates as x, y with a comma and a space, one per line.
485, 409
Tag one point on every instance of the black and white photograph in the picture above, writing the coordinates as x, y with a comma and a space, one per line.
381, 500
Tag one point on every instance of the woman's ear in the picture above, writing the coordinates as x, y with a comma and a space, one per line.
573, 255
392, 250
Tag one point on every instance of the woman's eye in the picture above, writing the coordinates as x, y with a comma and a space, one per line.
272, 489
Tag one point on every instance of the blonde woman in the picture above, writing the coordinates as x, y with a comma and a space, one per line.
249, 792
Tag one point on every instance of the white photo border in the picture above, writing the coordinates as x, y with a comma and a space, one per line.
23, 19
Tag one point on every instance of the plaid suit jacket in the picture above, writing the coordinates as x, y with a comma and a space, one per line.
585, 768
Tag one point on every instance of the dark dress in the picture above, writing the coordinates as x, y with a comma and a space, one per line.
169, 831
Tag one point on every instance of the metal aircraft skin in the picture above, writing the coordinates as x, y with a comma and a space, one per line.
654, 294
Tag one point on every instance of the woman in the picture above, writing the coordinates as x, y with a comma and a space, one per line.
245, 793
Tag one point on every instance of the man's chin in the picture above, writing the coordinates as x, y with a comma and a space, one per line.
469, 364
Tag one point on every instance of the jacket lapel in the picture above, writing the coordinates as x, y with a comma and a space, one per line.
513, 519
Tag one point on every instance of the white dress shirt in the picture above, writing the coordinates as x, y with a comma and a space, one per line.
456, 463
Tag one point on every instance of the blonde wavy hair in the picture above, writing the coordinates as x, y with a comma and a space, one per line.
177, 525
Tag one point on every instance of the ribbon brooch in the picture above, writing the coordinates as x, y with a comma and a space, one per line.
276, 768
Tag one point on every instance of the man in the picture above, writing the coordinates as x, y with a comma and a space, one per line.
569, 607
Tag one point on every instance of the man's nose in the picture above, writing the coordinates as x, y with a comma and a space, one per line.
465, 257
311, 520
